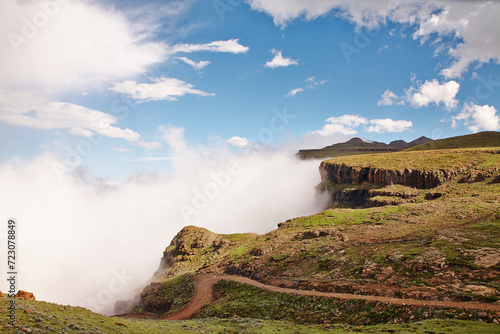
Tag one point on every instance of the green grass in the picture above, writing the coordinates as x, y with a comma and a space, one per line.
237, 237
481, 139
424, 160
42, 317
242, 300
339, 217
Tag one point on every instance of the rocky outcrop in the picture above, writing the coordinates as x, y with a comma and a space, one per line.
187, 248
21, 294
421, 179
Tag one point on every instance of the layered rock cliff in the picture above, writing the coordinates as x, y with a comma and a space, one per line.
397, 178
415, 178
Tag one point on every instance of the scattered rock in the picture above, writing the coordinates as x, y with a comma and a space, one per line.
480, 290
394, 257
485, 257
25, 295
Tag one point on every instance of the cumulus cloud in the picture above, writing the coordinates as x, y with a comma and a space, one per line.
388, 125
196, 65
348, 125
239, 141
472, 24
211, 187
422, 95
28, 109
345, 124
475, 23
389, 99
76, 44
478, 118
434, 92
229, 46
167, 89
279, 60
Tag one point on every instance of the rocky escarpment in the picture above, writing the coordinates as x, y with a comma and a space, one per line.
397, 178
415, 178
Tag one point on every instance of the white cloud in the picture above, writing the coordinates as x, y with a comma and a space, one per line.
77, 44
151, 159
311, 83
239, 141
478, 117
31, 110
388, 125
473, 24
122, 149
196, 65
389, 99
348, 125
279, 61
434, 92
345, 124
167, 89
229, 46
294, 91
174, 137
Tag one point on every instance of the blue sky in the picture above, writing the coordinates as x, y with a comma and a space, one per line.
100, 84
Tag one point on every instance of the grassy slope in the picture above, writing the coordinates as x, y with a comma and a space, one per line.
41, 317
434, 160
481, 139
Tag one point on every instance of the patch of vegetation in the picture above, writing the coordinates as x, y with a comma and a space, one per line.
234, 299
170, 295
240, 252
238, 237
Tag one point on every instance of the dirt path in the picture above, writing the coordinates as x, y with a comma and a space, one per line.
203, 294
382, 299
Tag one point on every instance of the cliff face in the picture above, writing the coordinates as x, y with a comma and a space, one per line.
420, 179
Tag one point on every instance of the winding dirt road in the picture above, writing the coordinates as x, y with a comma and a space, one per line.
204, 294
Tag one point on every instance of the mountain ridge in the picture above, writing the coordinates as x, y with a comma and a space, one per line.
357, 145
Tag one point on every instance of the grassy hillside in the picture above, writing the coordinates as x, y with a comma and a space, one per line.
41, 317
480, 139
